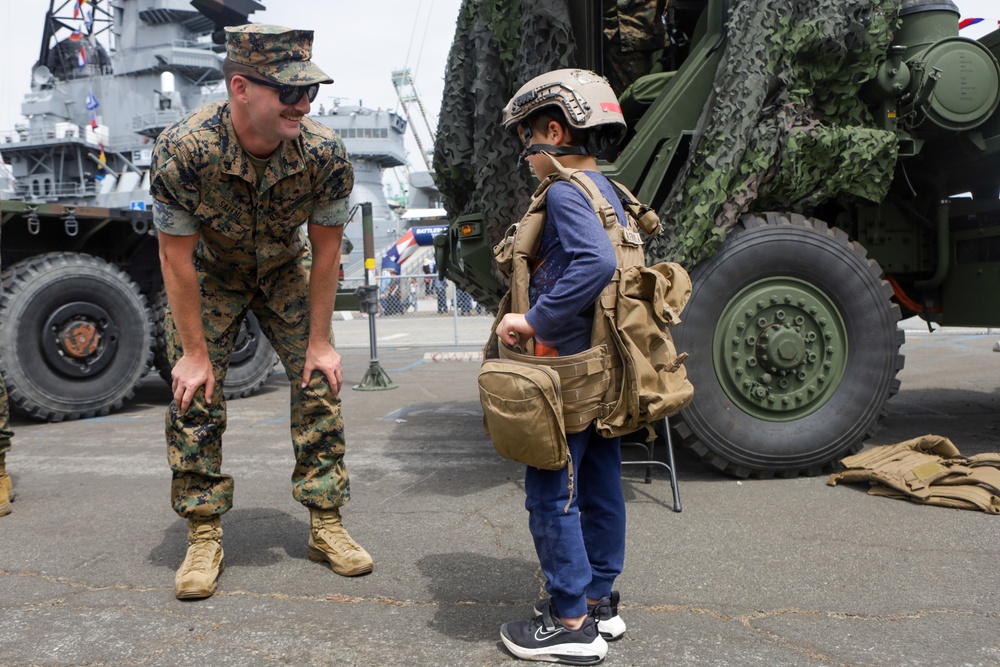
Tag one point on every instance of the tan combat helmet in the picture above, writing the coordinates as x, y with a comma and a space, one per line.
585, 98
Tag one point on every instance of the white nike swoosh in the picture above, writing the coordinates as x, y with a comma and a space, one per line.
541, 635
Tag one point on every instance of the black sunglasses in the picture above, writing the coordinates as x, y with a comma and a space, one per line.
288, 94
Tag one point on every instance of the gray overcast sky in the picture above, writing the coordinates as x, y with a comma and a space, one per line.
358, 43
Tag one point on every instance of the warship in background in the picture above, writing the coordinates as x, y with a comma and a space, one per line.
160, 64
110, 77
81, 312
374, 139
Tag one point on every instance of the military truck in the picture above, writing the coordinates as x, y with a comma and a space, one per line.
822, 169
82, 306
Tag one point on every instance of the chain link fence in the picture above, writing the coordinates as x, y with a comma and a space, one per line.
415, 311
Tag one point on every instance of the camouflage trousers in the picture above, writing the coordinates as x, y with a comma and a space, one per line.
5, 433
194, 439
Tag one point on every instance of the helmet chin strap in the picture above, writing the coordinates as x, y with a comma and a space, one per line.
554, 151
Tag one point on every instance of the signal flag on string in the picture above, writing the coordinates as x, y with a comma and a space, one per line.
81, 57
102, 163
88, 20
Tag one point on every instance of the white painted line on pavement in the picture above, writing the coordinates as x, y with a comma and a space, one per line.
453, 356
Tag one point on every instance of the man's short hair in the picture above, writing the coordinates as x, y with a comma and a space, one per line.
231, 68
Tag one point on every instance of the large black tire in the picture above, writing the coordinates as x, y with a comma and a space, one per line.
252, 361
75, 336
793, 347
250, 366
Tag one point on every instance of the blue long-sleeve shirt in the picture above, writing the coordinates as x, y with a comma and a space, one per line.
575, 263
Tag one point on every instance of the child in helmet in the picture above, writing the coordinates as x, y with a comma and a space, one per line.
571, 116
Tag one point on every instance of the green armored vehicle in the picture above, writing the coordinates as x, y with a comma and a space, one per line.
821, 169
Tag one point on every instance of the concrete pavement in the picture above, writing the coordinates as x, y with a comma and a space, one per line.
779, 573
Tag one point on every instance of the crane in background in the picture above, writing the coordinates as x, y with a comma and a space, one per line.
406, 91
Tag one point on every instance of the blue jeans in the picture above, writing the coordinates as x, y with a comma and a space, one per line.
582, 550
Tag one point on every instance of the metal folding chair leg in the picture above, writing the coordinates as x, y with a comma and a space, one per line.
651, 461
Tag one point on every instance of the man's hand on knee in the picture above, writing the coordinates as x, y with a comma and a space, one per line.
188, 374
325, 359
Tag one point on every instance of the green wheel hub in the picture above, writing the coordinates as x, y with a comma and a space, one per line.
780, 349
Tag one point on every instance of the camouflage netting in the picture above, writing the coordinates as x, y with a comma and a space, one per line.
785, 129
475, 160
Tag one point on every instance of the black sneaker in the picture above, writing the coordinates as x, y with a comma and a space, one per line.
605, 612
545, 639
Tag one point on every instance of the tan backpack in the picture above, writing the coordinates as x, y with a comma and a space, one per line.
629, 378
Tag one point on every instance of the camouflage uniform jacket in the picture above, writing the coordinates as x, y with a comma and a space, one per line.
251, 235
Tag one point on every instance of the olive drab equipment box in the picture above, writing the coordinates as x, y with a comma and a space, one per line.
631, 376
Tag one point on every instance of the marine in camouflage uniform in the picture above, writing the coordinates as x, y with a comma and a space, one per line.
6, 488
633, 34
234, 185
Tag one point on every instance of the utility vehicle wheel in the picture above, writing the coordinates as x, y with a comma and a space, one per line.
252, 361
75, 336
793, 349
250, 364
160, 360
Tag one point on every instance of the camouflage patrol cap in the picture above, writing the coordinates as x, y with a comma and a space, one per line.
280, 54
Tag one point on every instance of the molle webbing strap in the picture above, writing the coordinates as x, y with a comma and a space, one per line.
958, 497
647, 219
584, 381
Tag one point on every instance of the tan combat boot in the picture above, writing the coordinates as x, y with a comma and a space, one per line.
199, 573
330, 543
6, 489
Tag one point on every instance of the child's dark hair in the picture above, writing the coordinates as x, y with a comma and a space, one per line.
539, 122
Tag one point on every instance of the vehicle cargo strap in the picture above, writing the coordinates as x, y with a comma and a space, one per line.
928, 470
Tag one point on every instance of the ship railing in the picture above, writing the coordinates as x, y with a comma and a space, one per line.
33, 134
156, 119
45, 189
60, 132
188, 44
13, 136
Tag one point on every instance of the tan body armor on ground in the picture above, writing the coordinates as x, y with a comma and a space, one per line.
928, 470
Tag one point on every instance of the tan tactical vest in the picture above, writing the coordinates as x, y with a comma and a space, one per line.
928, 470
631, 376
